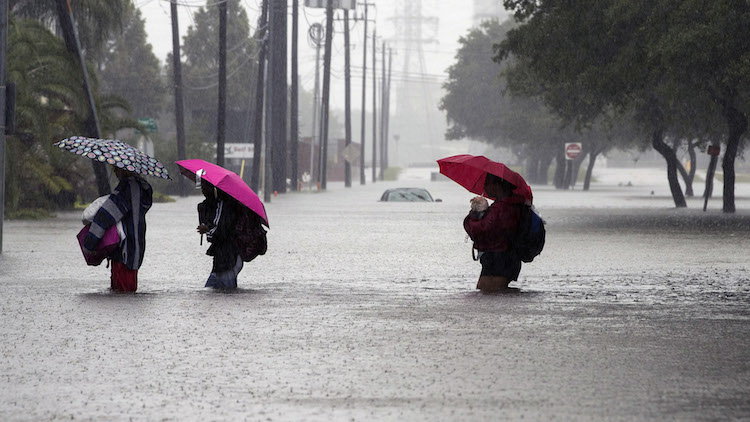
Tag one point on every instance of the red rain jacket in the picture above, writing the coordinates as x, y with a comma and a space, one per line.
491, 233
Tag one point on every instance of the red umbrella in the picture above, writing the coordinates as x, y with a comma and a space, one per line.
470, 171
228, 181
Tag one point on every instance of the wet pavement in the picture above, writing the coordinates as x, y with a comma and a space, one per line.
366, 310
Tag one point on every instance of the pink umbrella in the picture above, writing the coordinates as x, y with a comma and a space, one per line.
470, 171
228, 181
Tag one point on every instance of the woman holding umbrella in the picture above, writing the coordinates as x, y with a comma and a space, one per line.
492, 229
491, 233
217, 217
230, 216
128, 203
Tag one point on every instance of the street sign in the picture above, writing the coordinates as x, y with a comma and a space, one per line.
714, 150
337, 4
237, 150
350, 153
572, 150
148, 123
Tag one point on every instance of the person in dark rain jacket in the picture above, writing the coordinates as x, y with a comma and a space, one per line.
492, 232
217, 217
128, 203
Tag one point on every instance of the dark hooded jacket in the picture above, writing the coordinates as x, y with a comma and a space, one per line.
128, 203
220, 215
494, 231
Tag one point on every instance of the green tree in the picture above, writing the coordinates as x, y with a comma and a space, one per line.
201, 61
96, 20
129, 69
705, 47
658, 61
51, 105
480, 106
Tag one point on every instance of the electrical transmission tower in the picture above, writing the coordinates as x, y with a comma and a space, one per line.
416, 120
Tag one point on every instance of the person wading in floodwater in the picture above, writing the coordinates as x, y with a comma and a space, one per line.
217, 216
128, 203
492, 231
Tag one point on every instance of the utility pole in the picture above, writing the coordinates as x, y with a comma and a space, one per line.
270, 116
315, 32
326, 91
294, 123
382, 114
362, 177
260, 84
347, 100
73, 45
221, 114
374, 105
387, 113
278, 98
178, 101
3, 53
267, 139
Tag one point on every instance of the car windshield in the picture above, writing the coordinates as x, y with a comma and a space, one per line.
409, 195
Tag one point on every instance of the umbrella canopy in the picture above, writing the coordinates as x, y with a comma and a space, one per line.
228, 181
116, 153
470, 171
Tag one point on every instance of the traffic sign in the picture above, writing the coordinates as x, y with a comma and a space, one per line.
572, 150
239, 150
350, 153
148, 123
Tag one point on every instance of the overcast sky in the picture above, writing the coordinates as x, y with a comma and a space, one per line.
453, 21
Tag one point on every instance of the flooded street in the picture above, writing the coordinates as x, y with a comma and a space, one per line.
367, 310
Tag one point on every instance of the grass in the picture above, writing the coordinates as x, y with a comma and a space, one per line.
159, 197
738, 177
581, 174
391, 173
29, 214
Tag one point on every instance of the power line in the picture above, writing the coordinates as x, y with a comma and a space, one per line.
207, 4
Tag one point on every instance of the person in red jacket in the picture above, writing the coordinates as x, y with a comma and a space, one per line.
492, 232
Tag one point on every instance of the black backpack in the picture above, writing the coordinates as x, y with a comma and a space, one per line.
529, 239
251, 237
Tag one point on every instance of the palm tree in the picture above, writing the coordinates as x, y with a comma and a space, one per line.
51, 105
97, 19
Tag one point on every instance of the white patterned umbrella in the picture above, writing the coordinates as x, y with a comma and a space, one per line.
116, 153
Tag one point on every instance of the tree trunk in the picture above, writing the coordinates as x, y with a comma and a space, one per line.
560, 169
657, 141
693, 164
737, 122
587, 148
590, 169
685, 176
91, 125
709, 190
532, 168
576, 167
567, 180
544, 164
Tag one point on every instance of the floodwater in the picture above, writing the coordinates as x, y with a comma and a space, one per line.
366, 310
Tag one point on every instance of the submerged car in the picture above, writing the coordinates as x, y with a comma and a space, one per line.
407, 195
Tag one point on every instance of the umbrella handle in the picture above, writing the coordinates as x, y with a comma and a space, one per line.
201, 239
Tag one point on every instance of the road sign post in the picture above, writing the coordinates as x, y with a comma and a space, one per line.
572, 150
